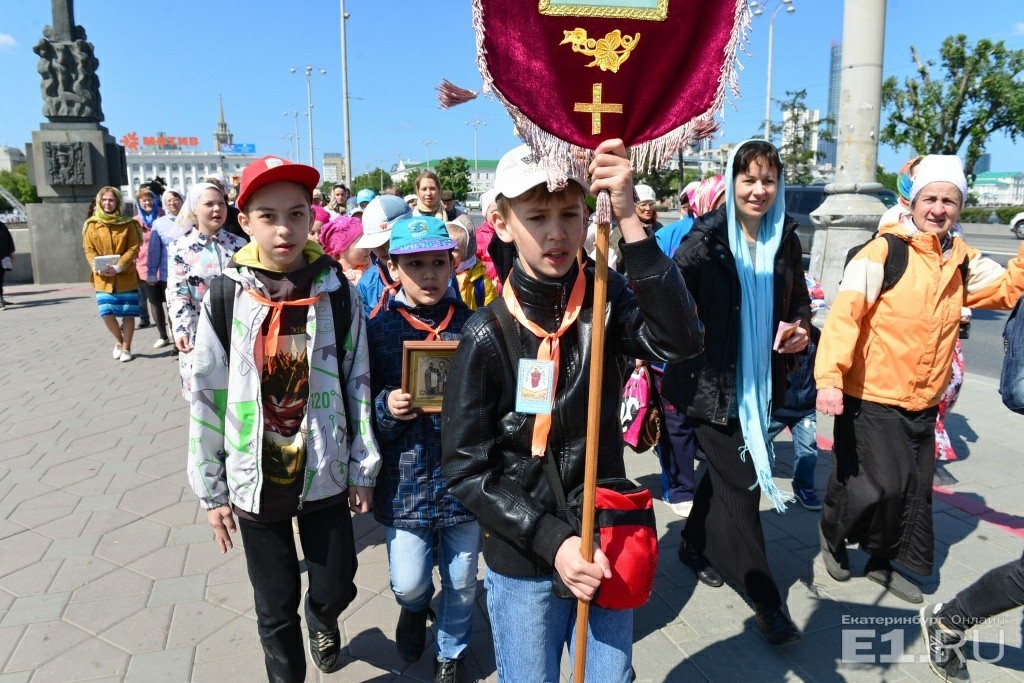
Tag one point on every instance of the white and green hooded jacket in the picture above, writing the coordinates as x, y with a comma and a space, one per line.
225, 428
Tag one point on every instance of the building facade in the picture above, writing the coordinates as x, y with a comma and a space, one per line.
999, 188
478, 181
334, 167
11, 157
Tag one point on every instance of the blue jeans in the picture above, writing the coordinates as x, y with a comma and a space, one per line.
411, 558
530, 626
803, 426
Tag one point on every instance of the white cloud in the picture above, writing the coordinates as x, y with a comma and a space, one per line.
7, 40
1018, 28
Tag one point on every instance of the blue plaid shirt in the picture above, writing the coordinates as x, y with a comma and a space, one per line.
410, 490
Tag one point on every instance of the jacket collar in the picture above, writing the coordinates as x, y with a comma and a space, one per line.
715, 225
542, 293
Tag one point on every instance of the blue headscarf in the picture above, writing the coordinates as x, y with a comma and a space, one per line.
757, 306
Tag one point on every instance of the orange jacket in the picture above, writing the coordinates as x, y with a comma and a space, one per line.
896, 347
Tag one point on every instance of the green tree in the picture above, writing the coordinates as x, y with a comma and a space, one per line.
408, 184
17, 183
376, 180
454, 175
326, 187
888, 180
797, 150
976, 92
662, 182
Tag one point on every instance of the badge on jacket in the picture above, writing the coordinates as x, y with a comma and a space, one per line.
534, 386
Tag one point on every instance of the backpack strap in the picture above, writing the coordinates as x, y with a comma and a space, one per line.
222, 309
510, 332
341, 312
895, 261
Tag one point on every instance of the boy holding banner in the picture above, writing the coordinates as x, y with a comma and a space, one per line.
502, 417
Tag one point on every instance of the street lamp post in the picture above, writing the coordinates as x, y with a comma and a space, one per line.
298, 153
291, 151
344, 95
428, 144
380, 167
476, 123
758, 11
309, 104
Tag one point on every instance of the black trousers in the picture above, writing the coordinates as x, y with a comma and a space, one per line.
999, 590
880, 491
270, 556
725, 522
155, 295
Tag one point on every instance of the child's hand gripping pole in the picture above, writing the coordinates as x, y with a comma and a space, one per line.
603, 220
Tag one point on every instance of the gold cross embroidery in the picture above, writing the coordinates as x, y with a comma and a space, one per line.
595, 108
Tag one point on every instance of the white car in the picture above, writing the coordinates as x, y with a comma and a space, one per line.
1017, 225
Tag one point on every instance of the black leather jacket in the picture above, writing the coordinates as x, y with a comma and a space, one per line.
705, 385
486, 444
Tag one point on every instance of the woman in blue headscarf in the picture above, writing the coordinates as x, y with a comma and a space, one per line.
743, 265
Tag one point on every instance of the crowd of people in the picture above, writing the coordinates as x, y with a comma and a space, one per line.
290, 313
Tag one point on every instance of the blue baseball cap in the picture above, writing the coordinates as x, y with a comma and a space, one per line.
420, 233
365, 195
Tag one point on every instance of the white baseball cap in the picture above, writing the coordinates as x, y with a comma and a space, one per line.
645, 193
519, 170
488, 198
379, 217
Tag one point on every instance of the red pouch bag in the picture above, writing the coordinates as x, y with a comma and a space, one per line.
624, 523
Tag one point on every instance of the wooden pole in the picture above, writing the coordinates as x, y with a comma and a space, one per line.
593, 431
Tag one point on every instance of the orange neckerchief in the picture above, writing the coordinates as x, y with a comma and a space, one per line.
549, 348
390, 289
276, 307
434, 334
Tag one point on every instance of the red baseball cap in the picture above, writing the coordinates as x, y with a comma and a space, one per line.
272, 169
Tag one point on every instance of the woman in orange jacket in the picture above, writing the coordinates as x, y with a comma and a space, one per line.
882, 366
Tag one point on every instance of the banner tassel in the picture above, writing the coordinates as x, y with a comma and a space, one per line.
449, 94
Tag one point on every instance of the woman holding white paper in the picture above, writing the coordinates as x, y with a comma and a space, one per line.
111, 242
743, 266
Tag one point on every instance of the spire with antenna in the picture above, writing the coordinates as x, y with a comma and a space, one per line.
223, 135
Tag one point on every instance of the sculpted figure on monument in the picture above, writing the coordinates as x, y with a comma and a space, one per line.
67, 64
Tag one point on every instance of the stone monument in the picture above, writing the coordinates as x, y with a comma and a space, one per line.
72, 156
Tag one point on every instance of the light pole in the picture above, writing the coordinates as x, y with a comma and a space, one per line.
758, 11
291, 151
476, 123
380, 166
309, 104
427, 144
344, 95
298, 152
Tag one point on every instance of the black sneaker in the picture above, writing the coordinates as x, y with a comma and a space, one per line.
837, 564
449, 671
777, 627
324, 648
945, 647
411, 634
881, 572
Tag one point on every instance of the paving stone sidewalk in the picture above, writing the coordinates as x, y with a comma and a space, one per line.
108, 571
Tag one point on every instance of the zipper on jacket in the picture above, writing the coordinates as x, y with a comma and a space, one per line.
310, 473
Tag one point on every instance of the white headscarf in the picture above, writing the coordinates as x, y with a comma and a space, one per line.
187, 220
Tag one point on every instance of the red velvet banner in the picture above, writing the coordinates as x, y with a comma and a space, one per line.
652, 72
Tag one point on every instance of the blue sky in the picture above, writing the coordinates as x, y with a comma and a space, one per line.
162, 67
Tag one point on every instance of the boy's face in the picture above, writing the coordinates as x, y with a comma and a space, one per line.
277, 216
547, 229
424, 276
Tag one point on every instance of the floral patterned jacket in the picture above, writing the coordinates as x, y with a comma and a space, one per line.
195, 259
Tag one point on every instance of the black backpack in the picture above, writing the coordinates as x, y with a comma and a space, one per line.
1011, 377
896, 261
222, 310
